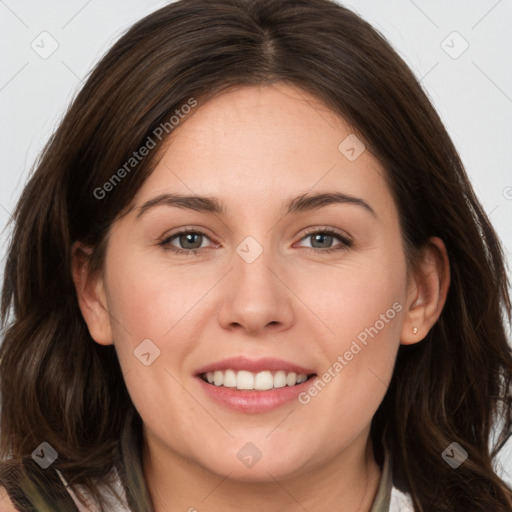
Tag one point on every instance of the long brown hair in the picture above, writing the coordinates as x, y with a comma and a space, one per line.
59, 386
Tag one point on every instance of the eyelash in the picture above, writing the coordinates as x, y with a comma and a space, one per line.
346, 242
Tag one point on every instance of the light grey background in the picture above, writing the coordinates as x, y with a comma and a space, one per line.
471, 89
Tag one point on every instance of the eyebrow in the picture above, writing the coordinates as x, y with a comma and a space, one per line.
301, 203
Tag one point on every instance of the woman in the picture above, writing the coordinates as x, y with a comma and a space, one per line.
256, 367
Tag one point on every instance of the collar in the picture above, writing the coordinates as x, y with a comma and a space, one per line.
383, 496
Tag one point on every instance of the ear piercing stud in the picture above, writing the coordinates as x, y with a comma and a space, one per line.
414, 330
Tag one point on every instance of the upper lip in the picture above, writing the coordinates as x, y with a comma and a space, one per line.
254, 365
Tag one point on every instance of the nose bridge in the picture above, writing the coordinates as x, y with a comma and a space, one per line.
253, 279
255, 297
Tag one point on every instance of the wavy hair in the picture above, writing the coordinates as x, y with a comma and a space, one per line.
57, 385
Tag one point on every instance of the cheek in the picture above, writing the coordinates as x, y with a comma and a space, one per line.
361, 307
150, 299
147, 309
153, 321
363, 294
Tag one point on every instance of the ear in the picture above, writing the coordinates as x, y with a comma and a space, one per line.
91, 295
427, 291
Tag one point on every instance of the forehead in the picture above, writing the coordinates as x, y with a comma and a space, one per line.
263, 144
283, 118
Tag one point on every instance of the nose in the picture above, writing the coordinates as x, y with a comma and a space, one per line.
256, 296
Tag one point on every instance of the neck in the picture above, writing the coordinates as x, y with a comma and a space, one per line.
347, 482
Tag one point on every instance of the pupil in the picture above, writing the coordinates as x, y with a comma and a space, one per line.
325, 237
184, 239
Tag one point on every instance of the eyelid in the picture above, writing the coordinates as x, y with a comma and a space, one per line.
165, 239
346, 240
328, 229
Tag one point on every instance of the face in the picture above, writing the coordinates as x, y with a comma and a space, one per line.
271, 288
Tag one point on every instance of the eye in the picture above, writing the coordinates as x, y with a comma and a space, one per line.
190, 242
322, 240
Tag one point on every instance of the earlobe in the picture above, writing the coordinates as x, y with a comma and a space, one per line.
91, 296
427, 293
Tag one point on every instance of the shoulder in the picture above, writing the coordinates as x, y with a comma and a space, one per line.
5, 502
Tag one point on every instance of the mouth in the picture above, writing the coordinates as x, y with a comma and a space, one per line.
244, 380
253, 386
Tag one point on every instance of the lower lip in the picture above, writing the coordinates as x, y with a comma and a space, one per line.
253, 401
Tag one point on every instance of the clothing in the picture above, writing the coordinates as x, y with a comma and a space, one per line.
387, 499
114, 505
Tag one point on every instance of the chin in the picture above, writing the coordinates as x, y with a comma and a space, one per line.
249, 464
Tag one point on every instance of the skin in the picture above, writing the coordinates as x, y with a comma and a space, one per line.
254, 148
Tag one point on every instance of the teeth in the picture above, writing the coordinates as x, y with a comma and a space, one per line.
218, 378
244, 380
260, 381
229, 379
301, 378
264, 380
291, 379
280, 379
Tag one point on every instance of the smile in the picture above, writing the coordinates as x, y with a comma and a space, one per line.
260, 381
